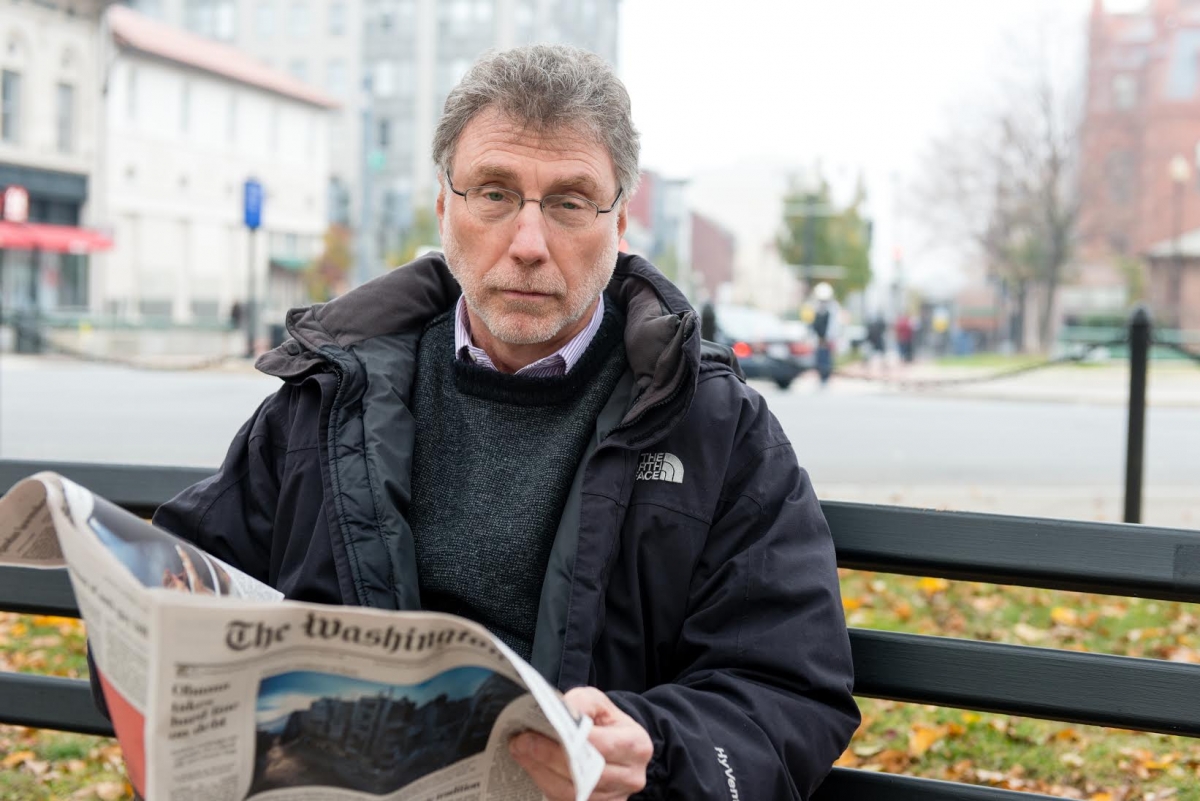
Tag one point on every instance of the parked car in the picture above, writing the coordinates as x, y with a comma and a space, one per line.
766, 347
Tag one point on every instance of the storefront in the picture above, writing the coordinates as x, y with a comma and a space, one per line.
44, 254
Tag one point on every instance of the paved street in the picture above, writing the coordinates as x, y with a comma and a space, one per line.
1016, 452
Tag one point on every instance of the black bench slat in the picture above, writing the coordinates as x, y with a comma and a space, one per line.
138, 488
848, 784
50, 702
1094, 689
34, 591
1105, 558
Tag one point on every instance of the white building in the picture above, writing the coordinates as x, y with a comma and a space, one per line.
187, 122
48, 144
318, 42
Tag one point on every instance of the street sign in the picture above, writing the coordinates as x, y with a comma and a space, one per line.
252, 201
16, 204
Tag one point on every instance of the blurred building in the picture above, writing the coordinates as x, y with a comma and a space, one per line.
49, 107
318, 42
713, 250
415, 51
390, 64
1141, 151
660, 228
187, 121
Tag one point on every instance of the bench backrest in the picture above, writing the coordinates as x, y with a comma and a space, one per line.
1113, 559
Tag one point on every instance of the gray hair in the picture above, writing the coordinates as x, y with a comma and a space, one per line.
545, 87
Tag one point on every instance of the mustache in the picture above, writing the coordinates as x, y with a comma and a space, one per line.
529, 285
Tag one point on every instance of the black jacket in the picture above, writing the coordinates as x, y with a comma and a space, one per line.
700, 592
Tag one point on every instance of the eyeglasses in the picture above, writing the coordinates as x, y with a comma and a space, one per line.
494, 204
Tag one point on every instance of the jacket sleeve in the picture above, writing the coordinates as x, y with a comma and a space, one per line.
762, 705
231, 514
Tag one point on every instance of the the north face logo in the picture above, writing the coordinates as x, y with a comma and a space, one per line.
660, 467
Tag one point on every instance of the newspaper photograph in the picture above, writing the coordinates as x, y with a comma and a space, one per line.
219, 689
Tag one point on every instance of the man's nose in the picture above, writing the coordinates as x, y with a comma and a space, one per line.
529, 240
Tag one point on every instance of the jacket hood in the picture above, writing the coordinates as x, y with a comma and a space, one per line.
662, 336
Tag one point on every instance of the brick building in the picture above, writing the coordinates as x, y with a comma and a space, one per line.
712, 256
1140, 156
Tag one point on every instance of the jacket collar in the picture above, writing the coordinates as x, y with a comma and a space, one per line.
662, 337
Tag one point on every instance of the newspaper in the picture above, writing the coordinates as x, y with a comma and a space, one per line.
220, 689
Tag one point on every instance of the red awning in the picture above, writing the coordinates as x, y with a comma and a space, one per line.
51, 238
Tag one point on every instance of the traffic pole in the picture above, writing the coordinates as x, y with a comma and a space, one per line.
251, 293
1135, 441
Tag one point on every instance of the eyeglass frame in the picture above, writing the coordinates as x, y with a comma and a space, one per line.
540, 201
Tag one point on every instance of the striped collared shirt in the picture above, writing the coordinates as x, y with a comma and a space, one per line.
557, 363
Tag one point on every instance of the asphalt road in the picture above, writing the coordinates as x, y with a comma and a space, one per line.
845, 436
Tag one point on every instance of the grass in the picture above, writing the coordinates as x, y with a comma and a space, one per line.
997, 750
1021, 753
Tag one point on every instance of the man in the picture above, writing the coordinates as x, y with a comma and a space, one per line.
825, 327
529, 433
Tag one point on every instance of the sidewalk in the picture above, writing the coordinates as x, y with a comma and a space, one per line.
1169, 384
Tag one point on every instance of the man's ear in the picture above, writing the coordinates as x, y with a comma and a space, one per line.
622, 219
440, 206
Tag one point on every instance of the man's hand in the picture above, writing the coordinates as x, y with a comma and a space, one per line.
620, 739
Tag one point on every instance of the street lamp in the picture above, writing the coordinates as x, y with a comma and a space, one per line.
1180, 172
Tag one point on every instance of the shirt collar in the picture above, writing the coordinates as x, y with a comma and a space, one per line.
558, 363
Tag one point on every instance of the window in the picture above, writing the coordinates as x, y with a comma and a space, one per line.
298, 19
298, 67
385, 134
264, 19
1120, 175
185, 108
73, 282
213, 18
1124, 91
65, 118
131, 91
384, 83
335, 77
337, 18
10, 106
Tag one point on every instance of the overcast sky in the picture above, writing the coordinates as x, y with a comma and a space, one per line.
736, 95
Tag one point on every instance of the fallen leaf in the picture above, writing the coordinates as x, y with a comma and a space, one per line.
110, 791
921, 738
16, 758
932, 586
1064, 616
1028, 633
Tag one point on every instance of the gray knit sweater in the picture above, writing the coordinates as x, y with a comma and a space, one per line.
494, 458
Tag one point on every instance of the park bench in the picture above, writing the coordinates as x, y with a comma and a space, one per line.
1084, 688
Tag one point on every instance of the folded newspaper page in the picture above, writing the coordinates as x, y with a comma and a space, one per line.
219, 689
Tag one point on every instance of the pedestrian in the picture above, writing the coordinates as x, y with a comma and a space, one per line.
876, 339
526, 432
824, 325
904, 337
708, 322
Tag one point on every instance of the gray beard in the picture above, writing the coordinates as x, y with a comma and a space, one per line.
546, 329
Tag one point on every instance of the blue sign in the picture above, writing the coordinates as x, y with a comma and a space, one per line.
252, 201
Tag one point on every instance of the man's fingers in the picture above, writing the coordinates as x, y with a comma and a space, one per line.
591, 702
553, 786
530, 748
623, 744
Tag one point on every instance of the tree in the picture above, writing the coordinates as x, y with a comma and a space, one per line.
816, 232
326, 278
422, 233
1004, 181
